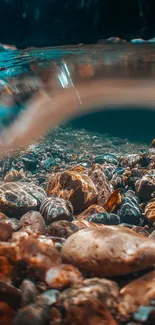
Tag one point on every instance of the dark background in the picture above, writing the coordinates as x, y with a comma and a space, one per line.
58, 22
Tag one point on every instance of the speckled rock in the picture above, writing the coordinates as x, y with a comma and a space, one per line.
33, 314
109, 251
28, 293
118, 181
145, 187
93, 300
14, 175
141, 231
77, 188
102, 185
105, 218
62, 276
130, 160
54, 209
138, 292
150, 211
33, 223
109, 158
86, 224
39, 253
62, 228
130, 211
93, 209
5, 231
18, 198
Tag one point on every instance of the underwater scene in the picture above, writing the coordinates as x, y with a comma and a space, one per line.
77, 184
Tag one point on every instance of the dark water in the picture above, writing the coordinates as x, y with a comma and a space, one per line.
133, 126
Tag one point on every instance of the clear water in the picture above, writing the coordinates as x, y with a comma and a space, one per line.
114, 130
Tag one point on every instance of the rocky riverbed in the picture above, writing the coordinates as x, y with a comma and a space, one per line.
77, 231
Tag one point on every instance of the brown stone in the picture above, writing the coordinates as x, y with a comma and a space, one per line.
14, 223
62, 228
152, 235
39, 253
79, 189
150, 211
3, 216
92, 209
62, 276
18, 237
109, 251
9, 250
91, 302
113, 201
6, 314
33, 223
141, 231
5, 268
138, 292
14, 175
5, 231
145, 187
86, 224
102, 185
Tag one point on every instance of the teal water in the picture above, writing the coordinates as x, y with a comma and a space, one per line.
133, 125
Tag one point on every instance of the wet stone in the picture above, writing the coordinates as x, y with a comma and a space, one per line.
150, 212
139, 292
15, 223
145, 314
5, 231
101, 159
10, 295
62, 228
54, 209
48, 163
28, 293
62, 276
3, 216
82, 223
78, 188
93, 209
129, 211
113, 201
39, 254
6, 314
33, 315
33, 223
105, 218
109, 170
109, 251
152, 235
5, 268
14, 175
145, 187
93, 294
49, 297
102, 185
17, 198
141, 231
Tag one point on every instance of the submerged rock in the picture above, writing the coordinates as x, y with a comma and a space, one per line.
139, 292
18, 198
54, 209
109, 251
105, 218
79, 189
91, 302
